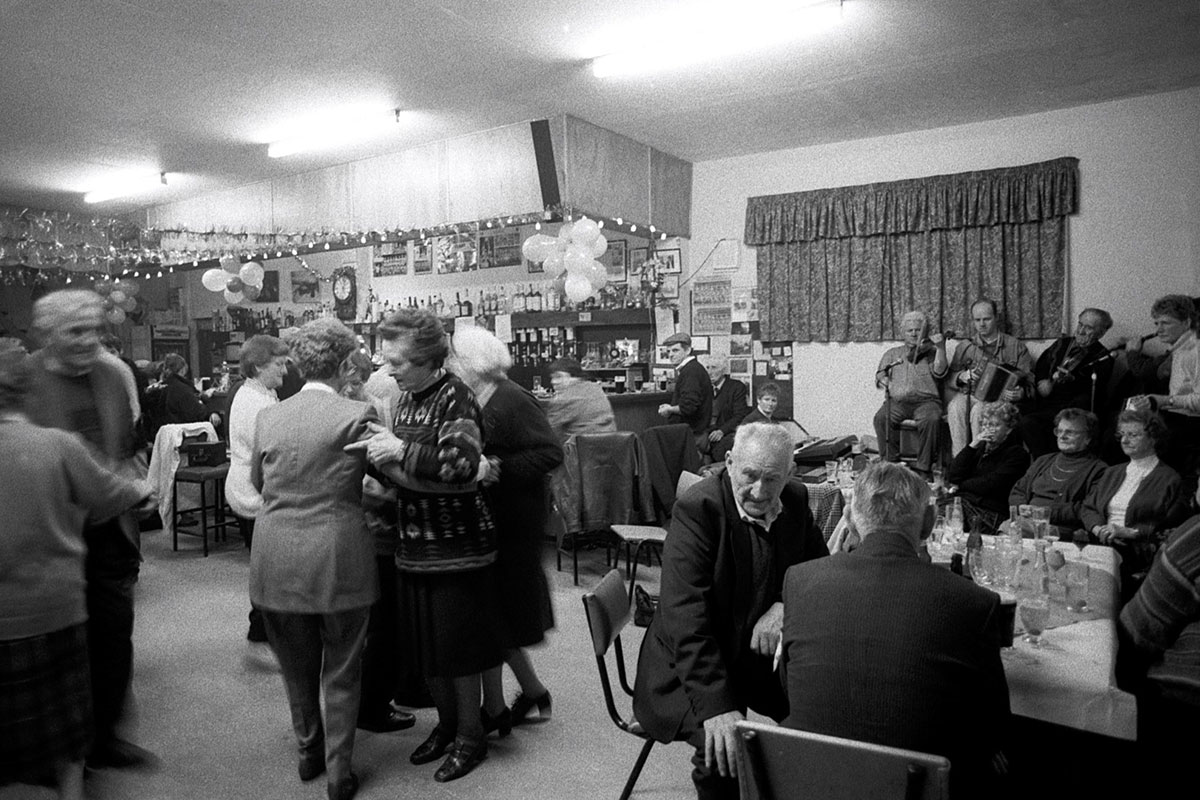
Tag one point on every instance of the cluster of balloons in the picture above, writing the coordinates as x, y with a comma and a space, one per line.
235, 280
120, 298
574, 252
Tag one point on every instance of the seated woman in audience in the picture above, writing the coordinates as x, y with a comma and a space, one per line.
985, 470
177, 401
520, 449
49, 485
312, 567
446, 556
578, 405
1060, 481
766, 404
1132, 505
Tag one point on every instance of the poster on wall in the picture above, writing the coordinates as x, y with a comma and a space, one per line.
614, 261
711, 293
305, 287
422, 258
499, 249
392, 259
270, 288
710, 320
455, 253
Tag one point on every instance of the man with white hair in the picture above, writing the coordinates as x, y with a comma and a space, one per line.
912, 374
77, 387
882, 647
707, 655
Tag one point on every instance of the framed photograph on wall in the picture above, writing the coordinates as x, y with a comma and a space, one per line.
670, 287
500, 248
422, 258
533, 266
614, 261
306, 288
637, 256
270, 287
671, 259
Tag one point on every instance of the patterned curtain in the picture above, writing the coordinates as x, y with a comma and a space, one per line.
845, 264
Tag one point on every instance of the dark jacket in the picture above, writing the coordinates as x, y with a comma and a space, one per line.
881, 647
987, 478
696, 655
181, 402
694, 396
1074, 390
1064, 508
729, 406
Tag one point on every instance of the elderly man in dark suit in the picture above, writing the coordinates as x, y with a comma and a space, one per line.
883, 647
708, 653
728, 410
692, 401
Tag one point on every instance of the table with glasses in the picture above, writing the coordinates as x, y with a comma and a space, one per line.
1068, 676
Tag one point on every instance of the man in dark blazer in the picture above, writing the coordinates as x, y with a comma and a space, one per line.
883, 647
692, 401
728, 410
708, 653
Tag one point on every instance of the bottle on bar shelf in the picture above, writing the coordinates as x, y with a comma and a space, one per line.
518, 302
534, 301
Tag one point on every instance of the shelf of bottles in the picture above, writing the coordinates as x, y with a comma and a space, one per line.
251, 321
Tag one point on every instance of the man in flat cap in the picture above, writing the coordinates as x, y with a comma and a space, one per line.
692, 400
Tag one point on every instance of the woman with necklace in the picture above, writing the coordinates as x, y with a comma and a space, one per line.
1060, 481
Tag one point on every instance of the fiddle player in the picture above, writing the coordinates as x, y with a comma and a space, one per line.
1063, 378
971, 358
912, 373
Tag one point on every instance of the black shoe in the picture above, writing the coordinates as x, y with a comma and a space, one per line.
465, 755
387, 722
522, 704
501, 722
433, 748
344, 790
311, 767
120, 754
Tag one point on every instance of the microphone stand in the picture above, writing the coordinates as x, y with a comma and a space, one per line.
887, 404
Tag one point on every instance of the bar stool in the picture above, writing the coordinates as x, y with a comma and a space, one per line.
203, 475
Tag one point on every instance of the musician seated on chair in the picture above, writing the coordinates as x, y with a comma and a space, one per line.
988, 367
708, 653
1063, 378
912, 375
881, 647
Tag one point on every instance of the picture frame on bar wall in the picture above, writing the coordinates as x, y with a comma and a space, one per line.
671, 259
614, 261
670, 287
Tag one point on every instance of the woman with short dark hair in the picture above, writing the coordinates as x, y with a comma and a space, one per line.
1060, 481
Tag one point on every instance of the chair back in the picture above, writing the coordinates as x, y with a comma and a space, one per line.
776, 763
604, 482
607, 609
670, 451
686, 481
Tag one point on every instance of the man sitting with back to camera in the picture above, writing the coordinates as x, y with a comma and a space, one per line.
882, 647
708, 653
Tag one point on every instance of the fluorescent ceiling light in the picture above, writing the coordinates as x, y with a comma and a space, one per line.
126, 186
334, 131
718, 30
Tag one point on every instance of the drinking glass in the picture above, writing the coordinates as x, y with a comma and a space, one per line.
1008, 557
979, 568
1034, 611
1077, 586
537, 384
831, 471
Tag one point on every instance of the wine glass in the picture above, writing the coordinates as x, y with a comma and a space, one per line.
1034, 611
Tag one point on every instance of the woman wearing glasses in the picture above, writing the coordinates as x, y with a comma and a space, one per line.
1060, 481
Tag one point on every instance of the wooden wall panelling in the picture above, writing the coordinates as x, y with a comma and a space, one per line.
670, 193
314, 200
607, 173
405, 189
492, 173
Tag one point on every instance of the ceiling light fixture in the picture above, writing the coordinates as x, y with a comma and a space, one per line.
717, 30
335, 131
125, 186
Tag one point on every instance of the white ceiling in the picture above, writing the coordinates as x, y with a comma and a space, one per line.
90, 87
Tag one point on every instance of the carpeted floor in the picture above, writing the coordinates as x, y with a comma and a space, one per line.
212, 706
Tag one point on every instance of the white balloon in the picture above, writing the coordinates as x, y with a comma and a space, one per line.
117, 297
597, 275
585, 231
599, 246
554, 264
130, 288
578, 287
230, 264
252, 273
214, 279
564, 236
576, 259
130, 304
115, 315
233, 298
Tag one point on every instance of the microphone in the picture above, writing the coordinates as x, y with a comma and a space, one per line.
1123, 345
888, 367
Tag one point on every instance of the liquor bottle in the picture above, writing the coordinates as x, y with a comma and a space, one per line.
518, 302
439, 306
465, 309
533, 301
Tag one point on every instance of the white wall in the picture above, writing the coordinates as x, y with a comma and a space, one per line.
1136, 236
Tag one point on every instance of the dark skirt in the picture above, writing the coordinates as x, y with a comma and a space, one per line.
452, 620
524, 592
45, 700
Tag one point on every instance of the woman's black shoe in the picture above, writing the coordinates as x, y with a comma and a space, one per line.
465, 755
432, 748
502, 722
391, 720
522, 704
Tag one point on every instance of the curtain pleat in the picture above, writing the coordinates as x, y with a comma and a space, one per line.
845, 264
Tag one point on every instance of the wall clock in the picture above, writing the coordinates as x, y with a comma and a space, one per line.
345, 295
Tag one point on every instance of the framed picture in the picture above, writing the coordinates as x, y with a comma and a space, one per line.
499, 248
637, 256
614, 261
533, 266
270, 288
305, 287
455, 253
670, 287
422, 258
672, 263
700, 344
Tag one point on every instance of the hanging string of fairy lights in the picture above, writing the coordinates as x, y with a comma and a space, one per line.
42, 248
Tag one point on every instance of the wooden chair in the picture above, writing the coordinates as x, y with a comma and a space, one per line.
607, 609
776, 763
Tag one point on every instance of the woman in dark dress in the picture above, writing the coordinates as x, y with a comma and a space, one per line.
984, 472
521, 449
1060, 481
445, 557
